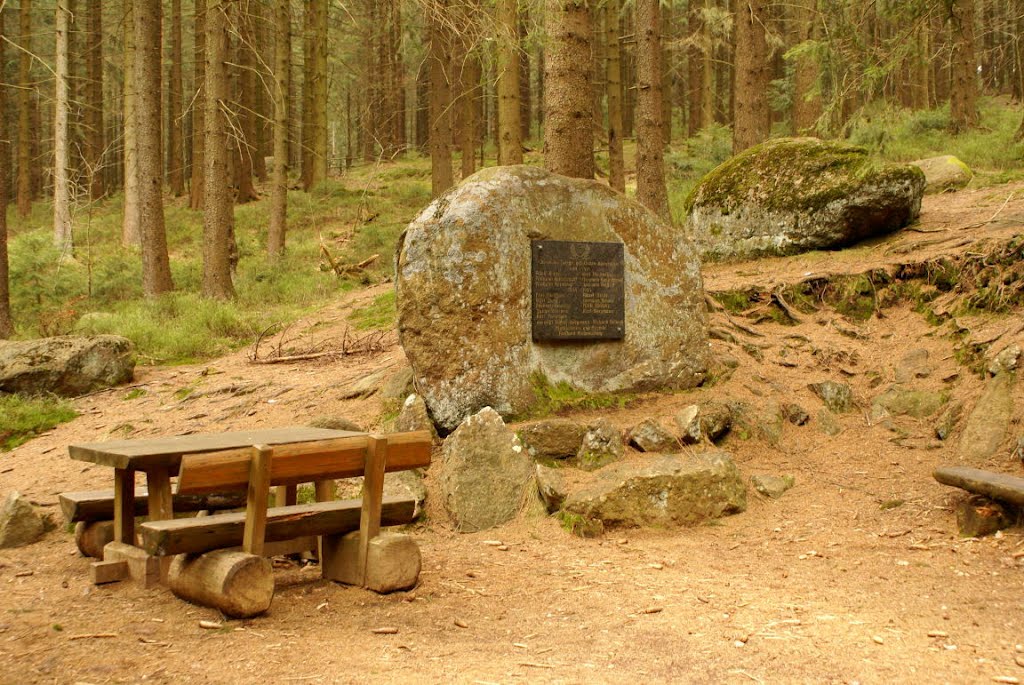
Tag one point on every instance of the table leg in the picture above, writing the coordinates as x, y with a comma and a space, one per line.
158, 482
124, 506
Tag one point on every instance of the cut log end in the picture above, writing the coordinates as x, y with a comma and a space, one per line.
92, 537
240, 585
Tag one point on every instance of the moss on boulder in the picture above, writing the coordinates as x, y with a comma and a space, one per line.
944, 173
791, 195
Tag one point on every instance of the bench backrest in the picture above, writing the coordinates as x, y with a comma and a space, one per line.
255, 469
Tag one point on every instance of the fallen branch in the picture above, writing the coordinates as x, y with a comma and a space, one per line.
991, 219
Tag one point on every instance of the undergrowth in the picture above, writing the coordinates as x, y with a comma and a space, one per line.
23, 417
553, 398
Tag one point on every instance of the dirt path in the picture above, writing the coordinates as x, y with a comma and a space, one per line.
855, 575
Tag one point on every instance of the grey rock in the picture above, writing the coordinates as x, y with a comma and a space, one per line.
772, 486
65, 365
363, 387
944, 173
406, 484
464, 295
552, 486
838, 397
414, 417
914, 364
949, 420
829, 423
20, 523
791, 195
715, 420
553, 438
602, 445
663, 490
896, 401
1007, 360
988, 423
651, 436
484, 474
688, 423
337, 423
763, 421
795, 414
398, 385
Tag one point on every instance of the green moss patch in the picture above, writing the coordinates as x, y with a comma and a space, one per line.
22, 418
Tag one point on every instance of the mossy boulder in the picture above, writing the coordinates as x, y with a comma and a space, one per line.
944, 173
464, 295
65, 365
791, 195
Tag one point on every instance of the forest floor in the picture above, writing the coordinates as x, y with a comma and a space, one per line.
857, 574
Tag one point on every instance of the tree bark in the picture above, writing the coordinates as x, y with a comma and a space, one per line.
218, 214
94, 102
806, 104
440, 98
175, 156
240, 585
243, 148
130, 232
319, 95
25, 105
199, 108
61, 185
650, 163
568, 102
510, 142
963, 95
613, 78
156, 268
750, 106
6, 320
279, 192
469, 100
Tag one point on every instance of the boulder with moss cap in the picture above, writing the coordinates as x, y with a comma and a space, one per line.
791, 195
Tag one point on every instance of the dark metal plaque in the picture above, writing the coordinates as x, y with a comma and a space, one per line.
578, 291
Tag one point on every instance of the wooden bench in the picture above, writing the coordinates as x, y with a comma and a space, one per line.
240, 583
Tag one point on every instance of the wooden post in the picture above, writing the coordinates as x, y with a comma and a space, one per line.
158, 483
124, 506
256, 501
373, 494
286, 495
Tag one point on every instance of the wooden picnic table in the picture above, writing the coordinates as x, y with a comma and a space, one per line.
160, 458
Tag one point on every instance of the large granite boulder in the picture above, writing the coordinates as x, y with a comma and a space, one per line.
464, 295
662, 490
791, 195
944, 173
485, 474
65, 365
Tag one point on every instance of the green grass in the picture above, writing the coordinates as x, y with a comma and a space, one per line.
552, 398
100, 290
378, 315
22, 418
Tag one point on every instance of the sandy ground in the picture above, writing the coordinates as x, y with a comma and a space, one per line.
857, 574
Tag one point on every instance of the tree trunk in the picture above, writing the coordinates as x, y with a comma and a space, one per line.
707, 72
130, 232
199, 108
751, 111
218, 214
243, 148
175, 152
440, 98
650, 163
806, 103
525, 98
510, 142
6, 320
316, 72
963, 96
156, 268
279, 192
469, 87
94, 101
61, 185
613, 77
25, 104
568, 103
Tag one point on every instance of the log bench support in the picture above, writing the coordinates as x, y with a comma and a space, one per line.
997, 499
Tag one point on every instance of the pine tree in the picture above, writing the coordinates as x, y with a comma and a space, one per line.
650, 163
568, 100
279, 193
510, 143
752, 114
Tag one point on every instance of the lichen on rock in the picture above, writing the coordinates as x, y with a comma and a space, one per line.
790, 195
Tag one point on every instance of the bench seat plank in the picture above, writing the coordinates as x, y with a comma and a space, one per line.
998, 486
191, 535
98, 505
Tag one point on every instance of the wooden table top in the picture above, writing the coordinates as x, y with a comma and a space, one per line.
165, 452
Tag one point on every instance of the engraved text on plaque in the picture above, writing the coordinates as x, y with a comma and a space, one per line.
578, 291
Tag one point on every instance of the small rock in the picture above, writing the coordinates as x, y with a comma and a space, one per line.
989, 421
688, 423
949, 420
944, 173
414, 417
772, 486
650, 436
918, 404
914, 364
795, 414
363, 387
398, 385
838, 397
20, 524
601, 446
715, 420
210, 625
553, 439
337, 423
829, 423
552, 487
1007, 360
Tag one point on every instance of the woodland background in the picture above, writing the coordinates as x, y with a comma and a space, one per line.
158, 157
